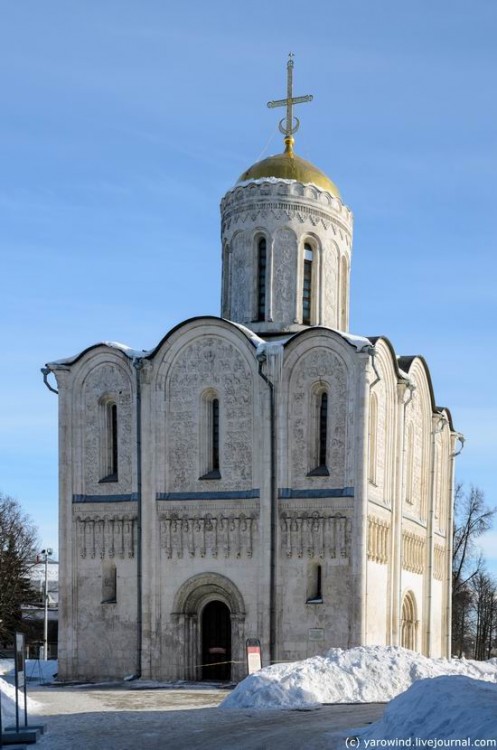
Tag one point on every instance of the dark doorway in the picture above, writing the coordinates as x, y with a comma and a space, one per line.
216, 642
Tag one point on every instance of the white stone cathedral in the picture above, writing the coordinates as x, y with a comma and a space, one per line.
264, 474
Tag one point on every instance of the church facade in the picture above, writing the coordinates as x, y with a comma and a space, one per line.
265, 474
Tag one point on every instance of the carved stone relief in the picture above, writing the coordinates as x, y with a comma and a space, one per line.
413, 550
209, 362
285, 276
107, 381
208, 534
439, 562
315, 534
241, 277
318, 365
330, 302
106, 536
378, 540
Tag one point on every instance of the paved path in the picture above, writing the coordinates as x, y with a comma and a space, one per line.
98, 718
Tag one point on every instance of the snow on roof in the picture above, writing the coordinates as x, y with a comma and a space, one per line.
366, 674
124, 348
273, 180
254, 338
445, 708
360, 342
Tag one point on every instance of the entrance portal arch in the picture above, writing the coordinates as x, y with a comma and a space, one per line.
204, 603
409, 622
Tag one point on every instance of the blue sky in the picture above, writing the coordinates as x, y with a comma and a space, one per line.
124, 123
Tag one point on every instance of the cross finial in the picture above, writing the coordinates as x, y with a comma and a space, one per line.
289, 124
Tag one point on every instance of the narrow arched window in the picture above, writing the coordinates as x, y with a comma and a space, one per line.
109, 443
307, 285
215, 434
109, 582
209, 448
261, 278
315, 585
113, 439
318, 434
408, 622
323, 429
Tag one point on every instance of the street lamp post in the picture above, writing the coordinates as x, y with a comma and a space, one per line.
46, 552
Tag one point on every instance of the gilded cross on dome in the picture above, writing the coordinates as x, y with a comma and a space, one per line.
289, 125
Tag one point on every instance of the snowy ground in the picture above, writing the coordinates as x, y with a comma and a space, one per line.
438, 701
121, 717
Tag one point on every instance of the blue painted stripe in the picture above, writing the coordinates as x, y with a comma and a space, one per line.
287, 493
132, 497
233, 495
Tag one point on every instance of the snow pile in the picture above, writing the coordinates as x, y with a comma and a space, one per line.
366, 674
8, 699
442, 708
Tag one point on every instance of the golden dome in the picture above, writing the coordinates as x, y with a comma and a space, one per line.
289, 166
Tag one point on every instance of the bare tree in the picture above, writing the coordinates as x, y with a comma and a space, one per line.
485, 602
472, 518
18, 543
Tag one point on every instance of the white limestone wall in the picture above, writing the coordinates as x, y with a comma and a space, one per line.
289, 215
313, 533
105, 633
319, 516
377, 604
382, 420
101, 373
217, 531
217, 528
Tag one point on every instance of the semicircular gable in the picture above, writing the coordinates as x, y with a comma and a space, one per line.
312, 371
218, 358
196, 329
343, 346
102, 380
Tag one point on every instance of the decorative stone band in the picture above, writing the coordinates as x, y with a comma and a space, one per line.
316, 534
291, 211
289, 493
227, 495
378, 540
207, 535
288, 191
413, 550
108, 536
130, 497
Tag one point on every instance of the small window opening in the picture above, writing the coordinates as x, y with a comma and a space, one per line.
317, 586
321, 469
323, 429
261, 279
215, 434
110, 443
109, 583
211, 438
307, 285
